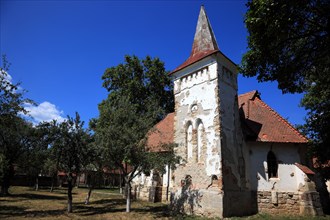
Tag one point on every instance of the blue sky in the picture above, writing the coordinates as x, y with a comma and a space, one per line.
60, 49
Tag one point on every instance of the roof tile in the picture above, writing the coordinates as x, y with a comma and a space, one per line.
305, 169
266, 123
161, 134
259, 122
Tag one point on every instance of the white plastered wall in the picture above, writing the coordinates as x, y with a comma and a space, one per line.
195, 91
287, 155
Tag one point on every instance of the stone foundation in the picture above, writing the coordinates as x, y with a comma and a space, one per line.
214, 203
151, 193
202, 202
240, 203
292, 203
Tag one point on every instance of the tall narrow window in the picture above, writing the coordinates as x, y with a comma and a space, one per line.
272, 164
189, 142
200, 131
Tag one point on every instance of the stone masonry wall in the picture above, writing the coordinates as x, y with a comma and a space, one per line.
197, 135
150, 193
289, 203
236, 191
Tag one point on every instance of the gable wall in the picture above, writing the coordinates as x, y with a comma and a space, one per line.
286, 154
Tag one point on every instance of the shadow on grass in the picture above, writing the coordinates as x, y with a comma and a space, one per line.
107, 206
16, 211
37, 196
118, 205
158, 211
110, 201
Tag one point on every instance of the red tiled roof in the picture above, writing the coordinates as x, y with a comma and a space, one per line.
117, 170
161, 134
305, 169
259, 123
62, 173
193, 59
265, 123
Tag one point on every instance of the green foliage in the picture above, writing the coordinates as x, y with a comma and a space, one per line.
69, 145
140, 94
15, 141
289, 43
33, 159
14, 131
11, 97
122, 133
142, 82
68, 149
317, 102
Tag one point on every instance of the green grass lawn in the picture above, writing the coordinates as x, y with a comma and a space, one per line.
26, 203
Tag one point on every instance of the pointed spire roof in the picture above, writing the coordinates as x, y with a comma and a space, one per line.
204, 39
204, 43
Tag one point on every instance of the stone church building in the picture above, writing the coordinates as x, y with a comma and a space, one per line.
239, 156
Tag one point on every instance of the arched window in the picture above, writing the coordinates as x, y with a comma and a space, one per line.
200, 130
272, 164
189, 141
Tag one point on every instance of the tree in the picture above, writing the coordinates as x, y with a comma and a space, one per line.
15, 141
140, 94
75, 141
141, 81
54, 151
289, 43
69, 149
14, 131
33, 159
93, 165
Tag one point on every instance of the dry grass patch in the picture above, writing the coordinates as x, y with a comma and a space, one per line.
27, 203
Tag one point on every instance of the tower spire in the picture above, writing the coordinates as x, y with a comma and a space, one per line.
204, 39
204, 44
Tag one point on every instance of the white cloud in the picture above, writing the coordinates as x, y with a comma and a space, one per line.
8, 80
8, 77
45, 111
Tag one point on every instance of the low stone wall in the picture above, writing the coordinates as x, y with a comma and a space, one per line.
150, 193
292, 203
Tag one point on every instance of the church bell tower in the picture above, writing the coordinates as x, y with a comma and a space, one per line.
207, 130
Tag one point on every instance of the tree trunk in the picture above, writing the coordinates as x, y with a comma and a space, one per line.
120, 184
37, 184
90, 184
78, 181
8, 175
4, 188
70, 193
53, 182
128, 197
88, 195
